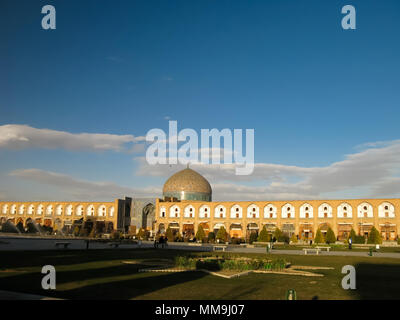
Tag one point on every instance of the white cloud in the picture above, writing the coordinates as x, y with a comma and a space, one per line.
78, 189
15, 136
373, 170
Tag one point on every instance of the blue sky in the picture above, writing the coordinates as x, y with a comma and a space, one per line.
312, 91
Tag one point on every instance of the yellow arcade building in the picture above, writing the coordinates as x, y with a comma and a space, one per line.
187, 204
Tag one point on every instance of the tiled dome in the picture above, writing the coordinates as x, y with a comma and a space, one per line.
187, 181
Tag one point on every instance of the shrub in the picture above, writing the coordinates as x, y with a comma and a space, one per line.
141, 234
398, 240
293, 239
253, 237
319, 238
221, 234
178, 237
330, 236
115, 235
211, 237
235, 240
169, 234
278, 234
264, 236
359, 239
200, 235
352, 235
374, 236
284, 238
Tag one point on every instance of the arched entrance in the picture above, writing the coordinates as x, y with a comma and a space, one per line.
252, 228
147, 216
161, 228
206, 228
188, 231
236, 230
388, 231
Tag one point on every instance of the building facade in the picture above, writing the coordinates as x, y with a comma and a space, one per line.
301, 218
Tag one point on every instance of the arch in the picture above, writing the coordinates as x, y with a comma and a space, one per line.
79, 210
148, 215
31, 209
174, 211
386, 210
112, 209
39, 210
102, 211
69, 211
90, 210
49, 210
59, 210
325, 211
161, 228
21, 209
189, 212
253, 211
236, 230
344, 210
13, 209
163, 212
288, 211
220, 210
204, 212
270, 211
306, 211
365, 210
4, 209
236, 212
219, 225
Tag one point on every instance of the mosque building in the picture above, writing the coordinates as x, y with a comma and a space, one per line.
187, 204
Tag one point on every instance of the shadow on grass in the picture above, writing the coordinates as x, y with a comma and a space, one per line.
20, 259
135, 284
377, 281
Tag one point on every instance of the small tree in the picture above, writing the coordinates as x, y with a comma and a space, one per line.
293, 238
319, 238
200, 235
211, 237
221, 234
330, 236
169, 234
264, 236
278, 234
352, 235
374, 237
253, 237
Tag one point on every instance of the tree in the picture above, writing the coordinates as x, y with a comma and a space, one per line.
200, 235
221, 234
293, 238
330, 236
278, 234
211, 237
169, 234
264, 236
374, 236
319, 238
352, 235
253, 237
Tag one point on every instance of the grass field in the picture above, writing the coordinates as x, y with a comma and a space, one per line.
101, 274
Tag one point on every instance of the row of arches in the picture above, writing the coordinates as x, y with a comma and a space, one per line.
304, 231
45, 225
40, 209
270, 211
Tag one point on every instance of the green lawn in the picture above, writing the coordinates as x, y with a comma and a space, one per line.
100, 274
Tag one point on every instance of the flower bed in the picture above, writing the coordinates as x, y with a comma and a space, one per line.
237, 264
